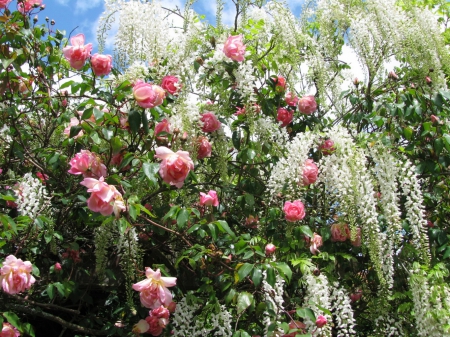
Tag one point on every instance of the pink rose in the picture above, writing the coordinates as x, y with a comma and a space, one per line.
148, 95
153, 290
73, 122
307, 105
42, 176
339, 232
101, 64
356, 296
9, 330
172, 307
58, 267
280, 84
15, 275
210, 122
27, 5
321, 321
270, 249
392, 75
163, 126
104, 199
327, 147
88, 164
174, 167
209, 199
171, 84
310, 172
315, 243
4, 4
294, 211
234, 48
291, 99
284, 116
204, 148
77, 53
141, 327
157, 320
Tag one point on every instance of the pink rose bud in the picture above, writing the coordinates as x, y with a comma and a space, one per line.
234, 48
64, 102
310, 172
58, 267
284, 116
4, 3
28, 5
294, 211
280, 84
356, 81
291, 99
148, 95
428, 80
434, 119
327, 147
171, 307
430, 224
270, 249
101, 64
171, 84
9, 330
210, 122
209, 199
77, 53
392, 75
163, 126
321, 321
356, 296
307, 105
204, 148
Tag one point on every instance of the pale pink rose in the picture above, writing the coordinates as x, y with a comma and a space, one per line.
270, 249
310, 172
163, 126
171, 84
148, 95
103, 191
28, 5
339, 232
4, 3
77, 53
161, 312
209, 199
428, 80
234, 48
307, 105
327, 147
210, 122
356, 81
153, 290
321, 321
280, 84
174, 167
104, 199
73, 122
204, 148
15, 275
284, 116
315, 243
9, 330
291, 99
88, 164
141, 327
101, 64
294, 211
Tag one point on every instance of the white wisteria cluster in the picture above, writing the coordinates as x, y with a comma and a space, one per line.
318, 295
185, 116
32, 196
266, 130
287, 172
245, 80
273, 295
342, 311
388, 326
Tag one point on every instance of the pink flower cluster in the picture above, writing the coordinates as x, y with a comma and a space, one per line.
209, 199
234, 48
9, 331
15, 275
174, 167
341, 232
148, 95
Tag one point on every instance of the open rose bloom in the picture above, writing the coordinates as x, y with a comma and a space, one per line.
4, 3
77, 53
210, 122
310, 172
15, 275
204, 148
209, 199
284, 116
174, 167
294, 211
153, 290
101, 64
104, 199
28, 5
88, 164
171, 84
9, 331
307, 105
148, 95
234, 48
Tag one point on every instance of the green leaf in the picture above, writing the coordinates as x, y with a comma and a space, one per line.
132, 211
116, 144
306, 313
271, 276
244, 300
50, 291
447, 253
212, 230
408, 132
150, 170
284, 270
182, 218
27, 328
134, 119
12, 318
307, 231
249, 199
74, 130
223, 227
145, 123
107, 133
98, 114
446, 138
244, 270
236, 138
256, 276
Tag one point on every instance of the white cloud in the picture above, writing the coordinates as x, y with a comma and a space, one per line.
63, 2
84, 5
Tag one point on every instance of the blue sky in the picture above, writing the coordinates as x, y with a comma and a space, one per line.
82, 15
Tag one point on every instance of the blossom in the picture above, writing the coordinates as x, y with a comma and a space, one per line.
171, 84
15, 275
239, 111
294, 211
77, 53
280, 84
157, 320
101, 64
307, 105
42, 176
284, 116
174, 167
327, 147
209, 199
234, 48
204, 148
9, 330
310, 172
434, 119
339, 232
101, 197
148, 95
57, 266
88, 164
291, 99
321, 321
163, 126
315, 243
141, 327
73, 122
27, 5
210, 122
153, 290
4, 3
270, 249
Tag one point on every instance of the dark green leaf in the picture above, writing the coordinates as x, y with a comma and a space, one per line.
134, 119
182, 218
306, 313
256, 276
244, 270
244, 300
